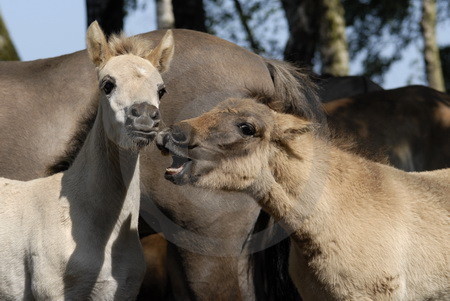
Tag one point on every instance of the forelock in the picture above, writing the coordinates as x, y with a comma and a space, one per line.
120, 45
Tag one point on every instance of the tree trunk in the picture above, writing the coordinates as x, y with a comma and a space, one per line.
108, 13
445, 61
7, 50
165, 17
333, 41
189, 14
430, 51
302, 18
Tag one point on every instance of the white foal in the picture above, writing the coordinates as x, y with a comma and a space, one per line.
73, 235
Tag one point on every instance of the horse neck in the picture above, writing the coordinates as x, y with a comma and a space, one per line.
301, 183
104, 177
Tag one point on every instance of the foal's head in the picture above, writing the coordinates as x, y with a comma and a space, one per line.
228, 147
130, 83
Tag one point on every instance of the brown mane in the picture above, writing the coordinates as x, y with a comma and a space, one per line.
295, 93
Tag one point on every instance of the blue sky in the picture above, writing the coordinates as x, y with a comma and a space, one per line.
48, 28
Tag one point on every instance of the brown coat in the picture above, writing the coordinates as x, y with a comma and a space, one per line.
360, 230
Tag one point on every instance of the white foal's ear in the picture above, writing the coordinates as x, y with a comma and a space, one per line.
162, 55
97, 46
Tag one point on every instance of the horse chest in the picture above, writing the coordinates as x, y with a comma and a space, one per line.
78, 263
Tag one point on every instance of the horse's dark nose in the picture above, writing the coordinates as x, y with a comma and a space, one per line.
180, 133
144, 117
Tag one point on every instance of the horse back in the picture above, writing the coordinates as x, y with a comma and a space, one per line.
410, 125
41, 103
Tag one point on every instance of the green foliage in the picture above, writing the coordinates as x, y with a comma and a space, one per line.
380, 30
7, 49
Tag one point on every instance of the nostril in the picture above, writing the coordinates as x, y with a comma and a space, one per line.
154, 114
134, 112
179, 137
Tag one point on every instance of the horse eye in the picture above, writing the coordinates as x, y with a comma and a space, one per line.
161, 92
108, 86
247, 129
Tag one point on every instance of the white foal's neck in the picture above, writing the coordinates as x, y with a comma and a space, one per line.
105, 177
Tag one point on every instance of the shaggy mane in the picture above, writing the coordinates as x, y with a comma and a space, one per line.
294, 91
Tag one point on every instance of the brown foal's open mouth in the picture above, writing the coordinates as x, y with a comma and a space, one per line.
179, 164
177, 173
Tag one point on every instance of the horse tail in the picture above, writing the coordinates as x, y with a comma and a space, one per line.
270, 266
294, 90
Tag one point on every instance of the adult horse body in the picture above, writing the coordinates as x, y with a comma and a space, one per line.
43, 102
336, 87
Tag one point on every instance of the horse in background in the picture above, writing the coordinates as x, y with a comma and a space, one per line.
409, 125
336, 87
156, 283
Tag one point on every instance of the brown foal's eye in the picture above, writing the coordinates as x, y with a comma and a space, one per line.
161, 91
108, 86
247, 129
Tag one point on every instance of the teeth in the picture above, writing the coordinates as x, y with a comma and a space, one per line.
174, 171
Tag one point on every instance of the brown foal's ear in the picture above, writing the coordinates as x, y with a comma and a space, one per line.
97, 46
162, 55
269, 100
289, 126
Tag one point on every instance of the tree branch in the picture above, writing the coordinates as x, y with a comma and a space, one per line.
244, 17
